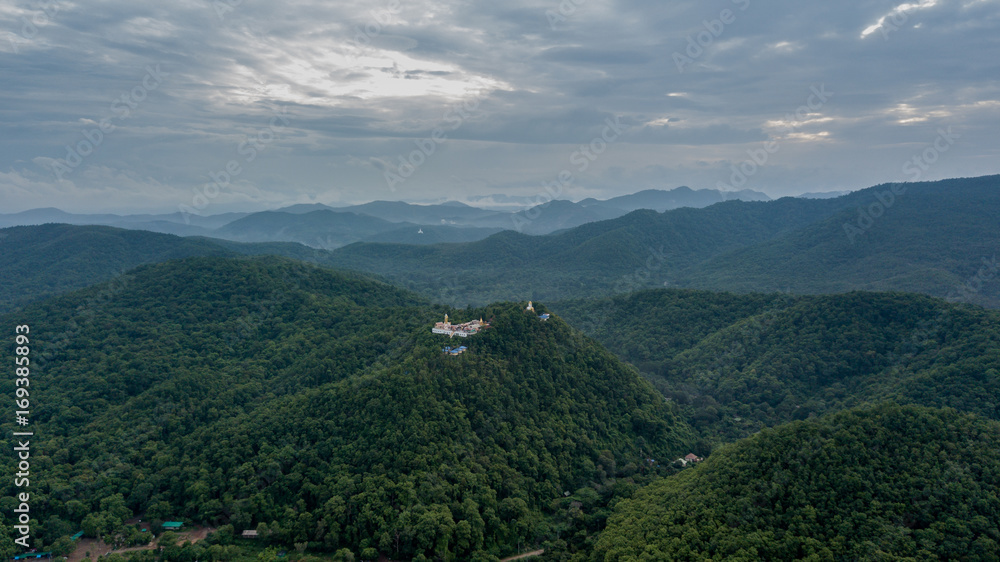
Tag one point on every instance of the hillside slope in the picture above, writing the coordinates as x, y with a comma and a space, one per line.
41, 261
740, 363
50, 259
633, 251
316, 405
936, 238
886, 483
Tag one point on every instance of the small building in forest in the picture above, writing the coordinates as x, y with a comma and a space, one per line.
249, 534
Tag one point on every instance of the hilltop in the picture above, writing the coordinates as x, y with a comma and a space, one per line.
317, 406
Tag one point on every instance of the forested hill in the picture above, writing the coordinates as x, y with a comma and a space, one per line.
317, 407
886, 483
593, 259
938, 238
51, 259
739, 363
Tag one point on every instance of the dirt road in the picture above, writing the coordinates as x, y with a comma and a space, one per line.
531, 554
100, 548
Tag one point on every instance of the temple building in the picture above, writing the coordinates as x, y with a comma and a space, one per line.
461, 330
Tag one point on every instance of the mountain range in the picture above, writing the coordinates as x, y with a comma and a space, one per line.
319, 225
938, 238
204, 382
791, 244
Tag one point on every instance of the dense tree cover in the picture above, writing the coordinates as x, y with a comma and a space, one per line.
317, 408
882, 483
933, 238
42, 261
46, 260
938, 238
641, 249
648, 327
737, 364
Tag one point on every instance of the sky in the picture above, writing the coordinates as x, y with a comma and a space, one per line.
212, 106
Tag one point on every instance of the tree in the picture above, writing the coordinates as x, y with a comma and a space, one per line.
63, 546
344, 555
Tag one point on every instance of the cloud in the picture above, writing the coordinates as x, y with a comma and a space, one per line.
361, 82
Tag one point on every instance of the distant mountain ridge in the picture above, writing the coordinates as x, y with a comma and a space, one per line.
937, 238
665, 200
600, 257
341, 229
178, 223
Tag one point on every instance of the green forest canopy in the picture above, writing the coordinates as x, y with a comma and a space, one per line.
318, 407
881, 483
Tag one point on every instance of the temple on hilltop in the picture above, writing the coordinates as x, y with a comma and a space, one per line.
531, 308
461, 330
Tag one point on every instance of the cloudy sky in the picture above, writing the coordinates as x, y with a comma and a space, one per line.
124, 106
